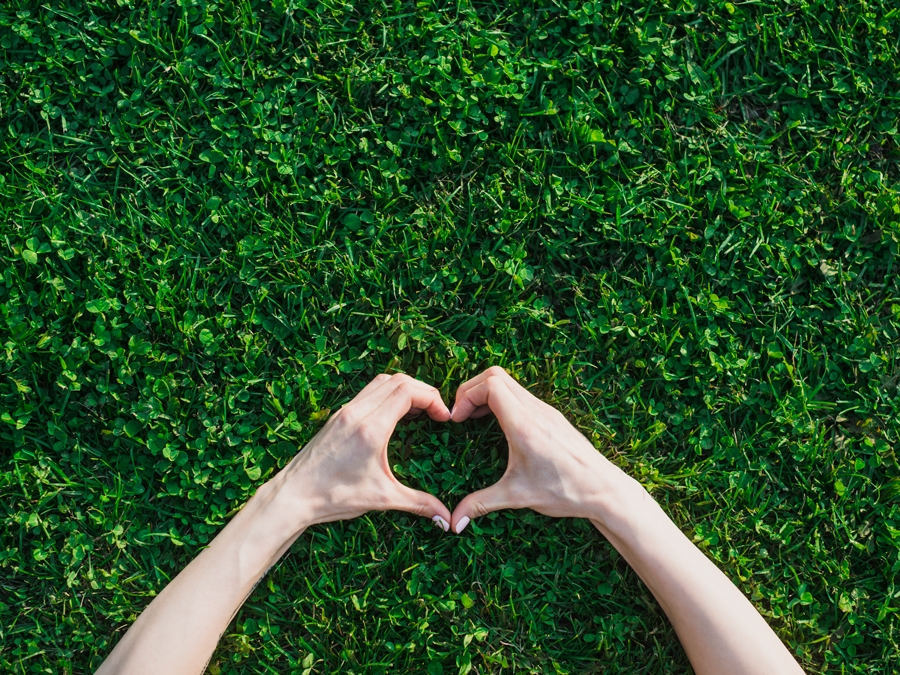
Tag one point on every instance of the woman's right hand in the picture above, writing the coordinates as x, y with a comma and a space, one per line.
553, 469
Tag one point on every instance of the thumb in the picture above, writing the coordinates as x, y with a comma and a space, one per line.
480, 503
421, 504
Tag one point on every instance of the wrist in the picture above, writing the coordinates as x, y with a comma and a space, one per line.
259, 534
621, 505
268, 523
283, 506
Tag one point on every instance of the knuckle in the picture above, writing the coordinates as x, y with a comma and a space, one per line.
381, 377
336, 422
347, 416
496, 371
401, 377
368, 433
406, 387
493, 384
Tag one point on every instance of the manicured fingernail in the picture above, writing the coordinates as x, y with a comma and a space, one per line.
443, 523
461, 525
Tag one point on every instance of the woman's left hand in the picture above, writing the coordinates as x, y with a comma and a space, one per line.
343, 472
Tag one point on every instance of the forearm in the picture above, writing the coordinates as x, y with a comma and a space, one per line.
340, 474
719, 628
178, 631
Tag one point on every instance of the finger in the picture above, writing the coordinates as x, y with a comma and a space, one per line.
480, 503
494, 393
480, 411
381, 385
493, 372
410, 395
378, 396
421, 504
377, 383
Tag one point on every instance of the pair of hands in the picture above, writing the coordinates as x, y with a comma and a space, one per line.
344, 472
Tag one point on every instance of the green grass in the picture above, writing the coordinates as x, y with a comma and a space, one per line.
679, 222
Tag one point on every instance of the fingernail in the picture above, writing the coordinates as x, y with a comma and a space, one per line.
452, 408
443, 523
461, 525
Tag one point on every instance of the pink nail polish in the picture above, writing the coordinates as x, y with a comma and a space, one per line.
461, 525
445, 526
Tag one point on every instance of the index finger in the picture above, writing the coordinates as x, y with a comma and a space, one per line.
410, 395
495, 394
494, 371
377, 382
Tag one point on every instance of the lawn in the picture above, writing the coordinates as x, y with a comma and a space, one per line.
678, 221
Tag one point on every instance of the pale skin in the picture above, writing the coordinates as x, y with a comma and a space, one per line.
553, 469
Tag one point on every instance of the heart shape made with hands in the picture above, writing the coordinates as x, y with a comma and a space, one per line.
552, 468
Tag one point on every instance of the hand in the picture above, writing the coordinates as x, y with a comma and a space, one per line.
343, 471
552, 468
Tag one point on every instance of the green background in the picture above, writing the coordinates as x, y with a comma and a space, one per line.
678, 222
